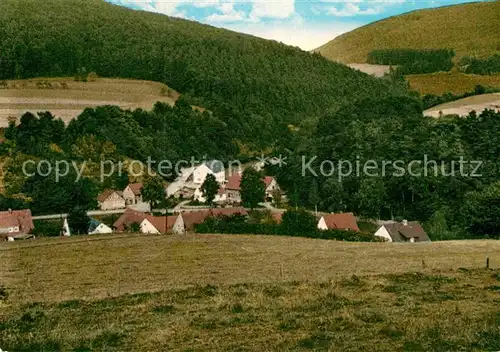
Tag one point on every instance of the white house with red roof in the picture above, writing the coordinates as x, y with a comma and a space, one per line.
133, 197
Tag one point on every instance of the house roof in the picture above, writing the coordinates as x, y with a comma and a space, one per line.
277, 217
400, 232
129, 217
233, 182
106, 194
135, 188
161, 224
267, 180
194, 217
227, 211
17, 218
342, 221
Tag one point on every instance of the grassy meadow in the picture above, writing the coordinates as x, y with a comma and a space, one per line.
66, 98
213, 292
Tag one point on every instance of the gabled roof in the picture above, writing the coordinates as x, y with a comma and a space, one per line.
17, 218
342, 221
106, 194
161, 224
129, 217
267, 180
233, 182
194, 217
227, 211
400, 232
135, 188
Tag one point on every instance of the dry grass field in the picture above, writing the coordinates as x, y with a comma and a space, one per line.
463, 107
450, 82
248, 293
66, 98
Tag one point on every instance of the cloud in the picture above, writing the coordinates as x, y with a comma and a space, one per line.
227, 13
351, 9
272, 9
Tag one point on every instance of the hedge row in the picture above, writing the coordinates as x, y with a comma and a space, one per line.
411, 61
239, 224
487, 66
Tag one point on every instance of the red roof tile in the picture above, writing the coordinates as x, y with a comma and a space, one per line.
343, 221
17, 218
128, 218
233, 182
267, 180
194, 217
136, 188
106, 194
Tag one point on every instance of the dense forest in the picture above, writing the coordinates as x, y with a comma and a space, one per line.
487, 66
239, 77
412, 61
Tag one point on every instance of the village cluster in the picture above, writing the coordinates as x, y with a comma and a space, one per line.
138, 216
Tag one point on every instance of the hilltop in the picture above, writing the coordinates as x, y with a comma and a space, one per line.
469, 29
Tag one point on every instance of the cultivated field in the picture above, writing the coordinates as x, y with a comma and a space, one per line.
463, 107
66, 98
251, 293
450, 82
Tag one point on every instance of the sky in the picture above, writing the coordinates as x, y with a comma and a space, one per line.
303, 23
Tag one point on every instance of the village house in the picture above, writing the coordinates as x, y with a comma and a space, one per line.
16, 224
341, 221
111, 200
402, 232
191, 179
271, 187
133, 197
233, 188
175, 224
97, 227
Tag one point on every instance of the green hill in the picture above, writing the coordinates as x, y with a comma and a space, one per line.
469, 29
237, 76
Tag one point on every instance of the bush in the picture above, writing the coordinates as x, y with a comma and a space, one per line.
477, 66
295, 223
3, 293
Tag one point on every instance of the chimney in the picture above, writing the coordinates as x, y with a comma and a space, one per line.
405, 222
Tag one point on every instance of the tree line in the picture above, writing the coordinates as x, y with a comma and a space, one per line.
414, 61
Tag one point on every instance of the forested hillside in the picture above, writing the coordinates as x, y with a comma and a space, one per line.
236, 76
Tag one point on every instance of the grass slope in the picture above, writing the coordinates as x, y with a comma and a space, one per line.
450, 82
98, 267
66, 98
227, 293
469, 29
464, 106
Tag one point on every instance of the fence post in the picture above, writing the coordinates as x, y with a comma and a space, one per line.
487, 262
